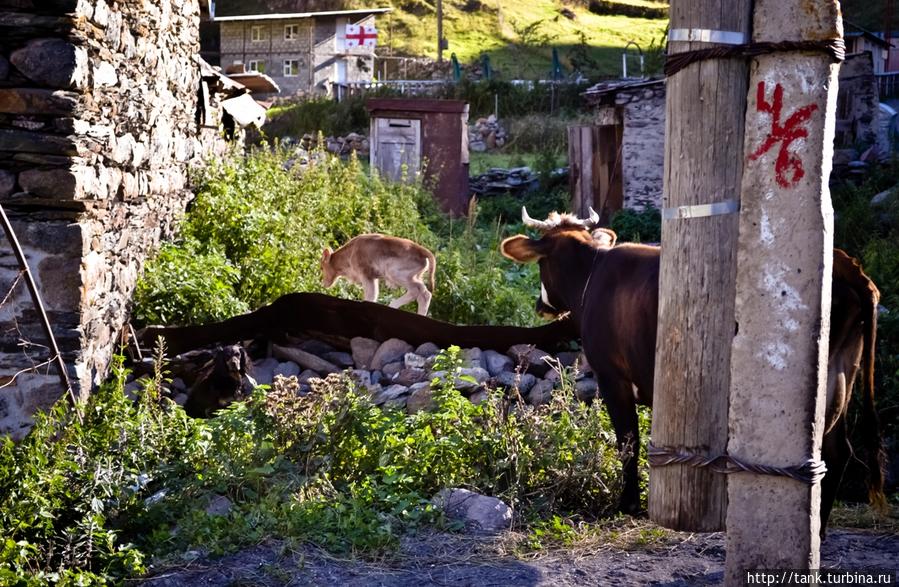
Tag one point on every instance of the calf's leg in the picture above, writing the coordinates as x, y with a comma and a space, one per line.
370, 289
835, 451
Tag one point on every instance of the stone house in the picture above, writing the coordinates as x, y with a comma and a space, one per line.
300, 44
860, 40
99, 124
631, 120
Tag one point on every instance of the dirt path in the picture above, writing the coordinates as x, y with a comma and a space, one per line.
452, 560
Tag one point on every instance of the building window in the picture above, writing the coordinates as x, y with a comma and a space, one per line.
255, 65
291, 67
291, 32
257, 33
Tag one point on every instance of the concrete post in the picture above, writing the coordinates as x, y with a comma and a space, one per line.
779, 356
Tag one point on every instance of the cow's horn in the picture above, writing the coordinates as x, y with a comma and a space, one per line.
528, 221
592, 221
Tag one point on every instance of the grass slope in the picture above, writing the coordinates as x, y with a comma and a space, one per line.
497, 27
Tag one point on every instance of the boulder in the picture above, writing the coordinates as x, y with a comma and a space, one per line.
523, 381
428, 349
410, 376
340, 359
496, 363
530, 357
479, 513
541, 393
390, 393
414, 361
304, 359
264, 371
363, 350
586, 389
474, 357
421, 398
391, 370
287, 369
219, 505
390, 350
306, 376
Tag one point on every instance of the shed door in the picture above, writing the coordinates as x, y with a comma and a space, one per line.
398, 148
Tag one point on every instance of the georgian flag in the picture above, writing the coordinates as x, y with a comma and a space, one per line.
361, 35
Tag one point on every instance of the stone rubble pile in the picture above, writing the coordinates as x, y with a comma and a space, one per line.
497, 181
399, 375
337, 145
486, 134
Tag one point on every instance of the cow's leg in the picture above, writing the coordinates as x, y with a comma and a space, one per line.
404, 299
835, 451
370, 289
618, 396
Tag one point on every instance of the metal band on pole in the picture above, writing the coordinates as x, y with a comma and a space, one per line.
701, 210
707, 36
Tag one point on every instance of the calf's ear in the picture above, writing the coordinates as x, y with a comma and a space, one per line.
521, 249
606, 237
326, 254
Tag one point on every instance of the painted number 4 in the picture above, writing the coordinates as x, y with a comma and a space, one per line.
784, 133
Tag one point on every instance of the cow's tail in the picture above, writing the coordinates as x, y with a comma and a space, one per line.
871, 423
869, 297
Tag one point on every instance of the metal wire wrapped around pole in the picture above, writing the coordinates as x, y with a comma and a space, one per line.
42, 313
810, 472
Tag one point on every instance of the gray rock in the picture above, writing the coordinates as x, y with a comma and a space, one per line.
316, 347
474, 357
478, 373
7, 182
410, 376
391, 350
52, 62
479, 513
363, 350
428, 349
586, 389
553, 376
178, 384
882, 197
390, 393
340, 359
414, 361
306, 376
264, 371
530, 357
287, 369
541, 393
496, 363
421, 398
304, 359
219, 505
478, 397
568, 358
398, 403
391, 370
180, 399
524, 381
362, 377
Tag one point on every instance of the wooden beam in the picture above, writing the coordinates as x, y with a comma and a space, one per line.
703, 162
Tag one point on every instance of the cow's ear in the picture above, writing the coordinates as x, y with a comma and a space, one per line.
521, 249
326, 254
605, 237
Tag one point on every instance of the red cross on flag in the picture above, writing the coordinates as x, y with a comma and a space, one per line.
361, 35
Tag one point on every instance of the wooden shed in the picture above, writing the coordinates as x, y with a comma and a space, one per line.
411, 137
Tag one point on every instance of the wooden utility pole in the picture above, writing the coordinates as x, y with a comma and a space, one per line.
703, 161
779, 369
439, 31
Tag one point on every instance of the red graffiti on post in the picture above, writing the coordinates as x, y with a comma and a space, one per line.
784, 134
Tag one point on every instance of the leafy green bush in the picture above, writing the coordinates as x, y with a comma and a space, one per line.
256, 231
638, 226
129, 488
315, 115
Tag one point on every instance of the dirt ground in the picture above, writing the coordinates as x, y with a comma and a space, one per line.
669, 558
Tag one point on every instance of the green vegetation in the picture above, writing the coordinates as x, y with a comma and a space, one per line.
519, 37
256, 231
130, 488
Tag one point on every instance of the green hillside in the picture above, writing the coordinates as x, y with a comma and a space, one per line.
519, 36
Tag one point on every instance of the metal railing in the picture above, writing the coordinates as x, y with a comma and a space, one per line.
412, 87
888, 85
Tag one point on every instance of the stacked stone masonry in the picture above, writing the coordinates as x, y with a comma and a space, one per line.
98, 127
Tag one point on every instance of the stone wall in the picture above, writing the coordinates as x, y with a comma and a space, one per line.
98, 105
642, 111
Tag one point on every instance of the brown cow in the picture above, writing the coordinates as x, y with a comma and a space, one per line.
612, 294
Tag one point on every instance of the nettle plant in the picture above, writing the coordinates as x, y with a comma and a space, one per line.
128, 490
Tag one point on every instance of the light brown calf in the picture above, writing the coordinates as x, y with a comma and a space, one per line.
369, 257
